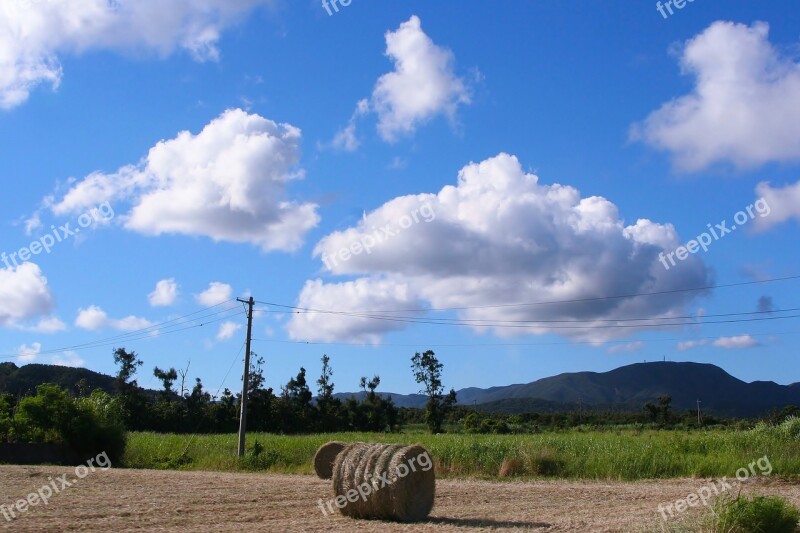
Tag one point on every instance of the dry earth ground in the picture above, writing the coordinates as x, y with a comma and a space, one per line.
145, 500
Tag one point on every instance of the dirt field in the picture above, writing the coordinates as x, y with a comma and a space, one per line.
128, 500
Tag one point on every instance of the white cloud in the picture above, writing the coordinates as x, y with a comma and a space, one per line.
47, 325
627, 348
352, 296
68, 358
165, 293
228, 183
34, 34
784, 203
227, 329
33, 223
94, 318
24, 295
688, 345
346, 139
745, 106
28, 354
216, 293
500, 236
422, 85
737, 342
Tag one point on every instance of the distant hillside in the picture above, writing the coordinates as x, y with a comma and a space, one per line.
23, 380
626, 388
630, 387
400, 400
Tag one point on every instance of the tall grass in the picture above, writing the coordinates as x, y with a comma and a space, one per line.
622, 455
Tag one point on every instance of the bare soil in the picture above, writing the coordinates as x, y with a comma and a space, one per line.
146, 500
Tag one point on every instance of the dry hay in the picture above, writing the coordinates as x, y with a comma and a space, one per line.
409, 494
325, 457
512, 467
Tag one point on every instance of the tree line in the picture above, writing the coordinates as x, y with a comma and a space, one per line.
294, 409
92, 420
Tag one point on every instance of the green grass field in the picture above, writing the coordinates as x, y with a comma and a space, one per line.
624, 455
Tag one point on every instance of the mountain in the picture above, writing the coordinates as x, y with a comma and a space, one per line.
23, 380
400, 400
626, 388
630, 387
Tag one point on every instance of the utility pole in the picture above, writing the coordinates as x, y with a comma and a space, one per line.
246, 378
699, 417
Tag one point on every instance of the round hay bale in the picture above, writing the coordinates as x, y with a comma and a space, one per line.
384, 481
325, 457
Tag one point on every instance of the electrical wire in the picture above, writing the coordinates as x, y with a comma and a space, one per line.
553, 302
513, 344
154, 330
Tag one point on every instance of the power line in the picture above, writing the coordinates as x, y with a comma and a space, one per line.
572, 321
500, 325
512, 344
546, 324
155, 330
553, 302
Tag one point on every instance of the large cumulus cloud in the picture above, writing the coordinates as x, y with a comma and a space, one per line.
227, 182
499, 236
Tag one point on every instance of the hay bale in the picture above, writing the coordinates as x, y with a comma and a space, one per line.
389, 479
325, 457
412, 497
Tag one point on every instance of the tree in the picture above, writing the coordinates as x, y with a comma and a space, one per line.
128, 363
325, 390
133, 404
83, 388
662, 411
652, 411
665, 407
52, 416
225, 413
198, 407
375, 413
260, 401
296, 409
428, 372
332, 416
371, 385
6, 415
184, 372
167, 378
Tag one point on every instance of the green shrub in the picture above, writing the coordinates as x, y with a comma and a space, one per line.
88, 426
6, 416
259, 458
790, 427
757, 514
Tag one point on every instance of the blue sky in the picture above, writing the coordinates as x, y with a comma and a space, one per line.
519, 172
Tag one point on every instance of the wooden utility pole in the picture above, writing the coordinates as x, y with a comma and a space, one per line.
246, 377
699, 416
